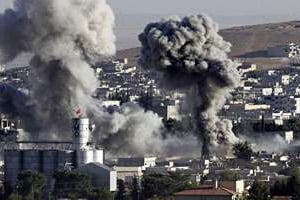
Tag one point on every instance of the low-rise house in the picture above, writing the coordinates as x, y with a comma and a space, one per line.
282, 198
206, 193
128, 173
128, 168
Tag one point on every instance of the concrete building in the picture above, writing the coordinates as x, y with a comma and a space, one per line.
206, 192
282, 198
128, 173
172, 112
267, 91
43, 161
247, 67
127, 168
102, 176
285, 79
143, 162
109, 103
294, 50
236, 186
289, 136
48, 157
297, 105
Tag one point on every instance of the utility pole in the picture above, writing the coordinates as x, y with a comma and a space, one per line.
32, 192
17, 192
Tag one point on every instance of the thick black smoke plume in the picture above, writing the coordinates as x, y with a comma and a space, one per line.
66, 37
191, 53
12, 101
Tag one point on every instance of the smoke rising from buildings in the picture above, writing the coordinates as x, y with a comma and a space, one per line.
191, 54
65, 38
134, 131
12, 101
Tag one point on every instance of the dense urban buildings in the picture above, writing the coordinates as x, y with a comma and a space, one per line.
194, 112
266, 97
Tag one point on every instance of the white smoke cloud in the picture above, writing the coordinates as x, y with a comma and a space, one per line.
65, 37
270, 144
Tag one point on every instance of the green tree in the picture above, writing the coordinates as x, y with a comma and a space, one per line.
228, 175
243, 151
293, 184
30, 185
243, 197
6, 190
163, 186
135, 189
258, 191
72, 185
101, 194
121, 190
14, 196
279, 188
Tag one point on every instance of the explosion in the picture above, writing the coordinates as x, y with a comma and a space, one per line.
191, 54
66, 38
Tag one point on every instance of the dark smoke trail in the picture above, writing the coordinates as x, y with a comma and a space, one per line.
190, 52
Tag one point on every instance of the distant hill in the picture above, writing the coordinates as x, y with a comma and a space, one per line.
248, 41
132, 54
252, 41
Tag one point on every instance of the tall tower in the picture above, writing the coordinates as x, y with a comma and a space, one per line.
81, 133
83, 147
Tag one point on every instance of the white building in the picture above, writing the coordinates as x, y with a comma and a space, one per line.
297, 105
128, 173
294, 50
247, 67
172, 112
256, 107
289, 136
285, 79
109, 103
143, 162
267, 91
127, 168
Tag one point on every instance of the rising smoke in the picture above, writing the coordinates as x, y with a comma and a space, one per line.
65, 38
191, 54
12, 101
134, 131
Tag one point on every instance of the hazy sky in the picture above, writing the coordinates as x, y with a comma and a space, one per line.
220, 7
133, 15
